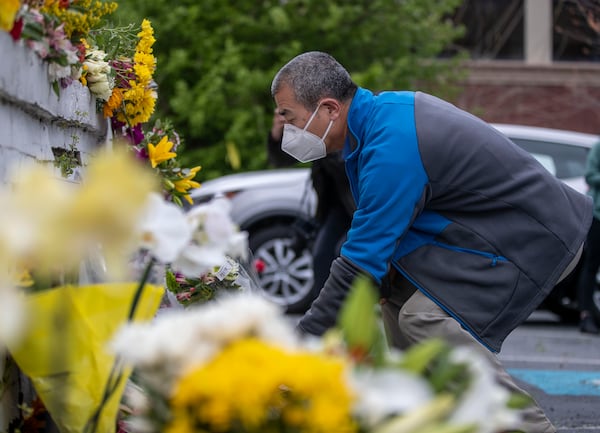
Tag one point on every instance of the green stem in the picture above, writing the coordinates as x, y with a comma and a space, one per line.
140, 289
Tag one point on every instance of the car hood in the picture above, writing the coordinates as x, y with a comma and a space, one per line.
276, 178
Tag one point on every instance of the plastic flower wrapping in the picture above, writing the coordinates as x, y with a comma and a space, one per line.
69, 279
229, 277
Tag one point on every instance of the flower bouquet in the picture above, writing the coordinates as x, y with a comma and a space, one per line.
48, 227
117, 65
230, 277
236, 365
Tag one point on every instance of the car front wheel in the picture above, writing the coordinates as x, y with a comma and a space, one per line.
287, 275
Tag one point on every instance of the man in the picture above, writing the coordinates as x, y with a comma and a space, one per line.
333, 213
591, 260
464, 232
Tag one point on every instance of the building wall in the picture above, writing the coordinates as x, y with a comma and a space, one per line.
557, 95
33, 121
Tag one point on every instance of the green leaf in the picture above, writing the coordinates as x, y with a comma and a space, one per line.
171, 281
358, 320
56, 88
420, 356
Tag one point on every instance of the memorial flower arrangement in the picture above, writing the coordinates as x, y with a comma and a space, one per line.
117, 65
205, 287
236, 365
51, 233
71, 302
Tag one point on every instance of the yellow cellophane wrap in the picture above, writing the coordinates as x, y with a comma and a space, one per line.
64, 349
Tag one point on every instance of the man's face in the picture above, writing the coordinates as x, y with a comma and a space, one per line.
295, 114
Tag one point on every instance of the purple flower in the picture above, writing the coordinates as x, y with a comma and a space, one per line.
136, 134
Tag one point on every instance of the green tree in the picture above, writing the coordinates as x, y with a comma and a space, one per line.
216, 60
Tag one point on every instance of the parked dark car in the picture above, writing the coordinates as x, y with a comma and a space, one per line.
275, 207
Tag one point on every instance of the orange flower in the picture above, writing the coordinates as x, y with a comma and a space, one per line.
113, 103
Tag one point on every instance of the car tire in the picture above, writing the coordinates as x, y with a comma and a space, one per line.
287, 276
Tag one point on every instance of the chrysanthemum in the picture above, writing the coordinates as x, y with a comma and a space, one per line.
146, 36
255, 386
114, 102
140, 101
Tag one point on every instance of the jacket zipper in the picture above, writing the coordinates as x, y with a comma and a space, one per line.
493, 257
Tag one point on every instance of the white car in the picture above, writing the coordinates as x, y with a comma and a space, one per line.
276, 206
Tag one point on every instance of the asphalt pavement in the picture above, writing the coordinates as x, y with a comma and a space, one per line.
560, 368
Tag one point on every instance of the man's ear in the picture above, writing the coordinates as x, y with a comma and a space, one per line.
333, 107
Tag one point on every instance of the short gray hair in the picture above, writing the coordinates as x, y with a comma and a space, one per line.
312, 76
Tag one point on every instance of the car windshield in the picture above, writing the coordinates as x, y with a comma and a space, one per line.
565, 161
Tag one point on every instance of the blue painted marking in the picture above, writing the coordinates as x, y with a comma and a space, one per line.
561, 382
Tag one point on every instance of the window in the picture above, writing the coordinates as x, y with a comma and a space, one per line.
494, 29
563, 160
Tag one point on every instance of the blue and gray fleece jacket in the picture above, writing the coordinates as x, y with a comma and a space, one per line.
468, 217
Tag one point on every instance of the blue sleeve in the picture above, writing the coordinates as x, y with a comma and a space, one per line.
391, 180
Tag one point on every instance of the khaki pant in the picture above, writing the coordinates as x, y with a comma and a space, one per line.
420, 318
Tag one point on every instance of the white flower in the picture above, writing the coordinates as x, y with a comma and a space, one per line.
163, 229
485, 402
174, 342
12, 317
212, 222
214, 236
101, 90
56, 71
387, 392
195, 259
96, 67
135, 397
238, 245
98, 74
139, 424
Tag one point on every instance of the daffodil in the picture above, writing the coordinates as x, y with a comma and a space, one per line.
161, 152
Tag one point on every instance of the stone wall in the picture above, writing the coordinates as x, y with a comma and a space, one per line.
35, 123
35, 126
557, 95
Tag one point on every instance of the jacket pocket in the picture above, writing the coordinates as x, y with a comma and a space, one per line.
474, 286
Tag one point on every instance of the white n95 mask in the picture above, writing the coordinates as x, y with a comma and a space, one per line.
302, 144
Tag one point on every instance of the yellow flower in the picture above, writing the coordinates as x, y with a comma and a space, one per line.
143, 74
186, 183
97, 213
161, 152
146, 36
139, 104
255, 387
49, 225
114, 102
8, 11
80, 19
